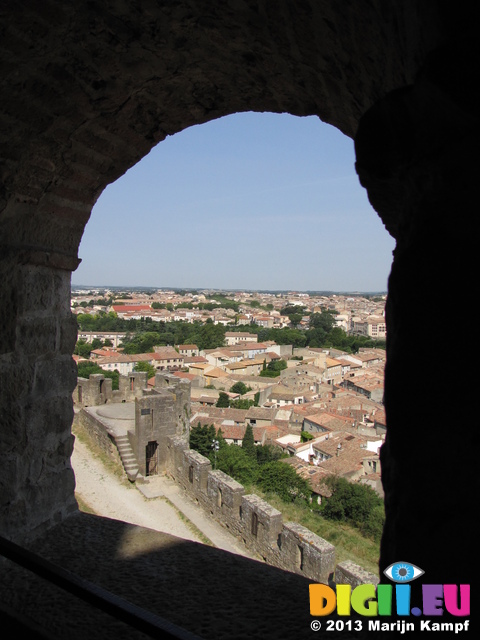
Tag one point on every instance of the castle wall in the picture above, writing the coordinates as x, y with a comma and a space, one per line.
260, 526
132, 385
161, 415
93, 391
97, 431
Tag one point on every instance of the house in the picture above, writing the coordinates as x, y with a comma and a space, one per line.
260, 417
188, 350
315, 476
122, 362
373, 326
343, 454
245, 367
264, 321
222, 356
234, 434
212, 375
217, 415
371, 386
135, 311
281, 396
249, 350
115, 337
239, 337
166, 358
332, 373
323, 421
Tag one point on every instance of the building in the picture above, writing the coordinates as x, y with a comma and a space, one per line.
239, 337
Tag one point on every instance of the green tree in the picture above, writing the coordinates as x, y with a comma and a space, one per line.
145, 366
241, 403
223, 400
85, 369
201, 438
268, 453
324, 320
83, 349
282, 479
293, 308
235, 462
239, 387
248, 442
272, 370
295, 318
357, 504
221, 440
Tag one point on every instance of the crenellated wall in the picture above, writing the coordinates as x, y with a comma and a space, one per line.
286, 545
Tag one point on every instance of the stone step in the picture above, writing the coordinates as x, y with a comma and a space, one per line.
127, 457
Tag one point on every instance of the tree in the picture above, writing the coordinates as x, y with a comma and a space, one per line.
295, 318
324, 320
357, 504
145, 366
248, 442
241, 404
83, 349
272, 370
305, 436
223, 400
221, 440
235, 462
201, 438
282, 479
85, 369
268, 453
239, 387
293, 308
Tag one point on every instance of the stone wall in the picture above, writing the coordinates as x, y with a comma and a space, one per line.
260, 526
350, 573
98, 433
37, 379
132, 386
93, 391
252, 520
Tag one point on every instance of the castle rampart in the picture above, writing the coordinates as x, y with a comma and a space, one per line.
161, 419
260, 526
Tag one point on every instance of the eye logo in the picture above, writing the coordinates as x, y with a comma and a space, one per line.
403, 572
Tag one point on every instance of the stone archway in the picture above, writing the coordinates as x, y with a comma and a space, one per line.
87, 91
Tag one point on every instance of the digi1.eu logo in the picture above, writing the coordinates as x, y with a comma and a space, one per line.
391, 599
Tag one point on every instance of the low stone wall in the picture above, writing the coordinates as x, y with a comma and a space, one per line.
286, 545
349, 573
98, 432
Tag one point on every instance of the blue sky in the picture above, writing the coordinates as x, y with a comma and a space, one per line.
249, 201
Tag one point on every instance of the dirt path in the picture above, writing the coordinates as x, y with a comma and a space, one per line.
160, 505
108, 496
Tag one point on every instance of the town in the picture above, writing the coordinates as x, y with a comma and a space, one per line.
321, 405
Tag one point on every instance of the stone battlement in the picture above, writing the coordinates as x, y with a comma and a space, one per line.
161, 418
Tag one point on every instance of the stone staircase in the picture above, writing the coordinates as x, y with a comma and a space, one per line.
127, 457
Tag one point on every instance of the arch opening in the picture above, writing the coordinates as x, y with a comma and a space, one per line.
248, 201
